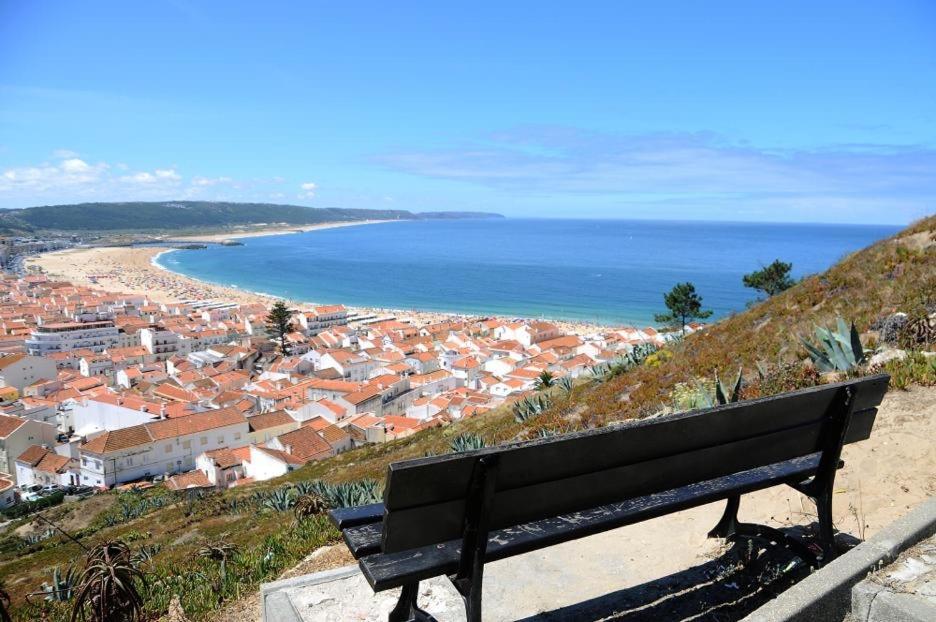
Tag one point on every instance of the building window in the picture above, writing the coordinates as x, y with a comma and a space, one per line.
204, 440
220, 439
186, 444
237, 436
168, 449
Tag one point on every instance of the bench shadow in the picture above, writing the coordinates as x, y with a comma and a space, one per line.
749, 572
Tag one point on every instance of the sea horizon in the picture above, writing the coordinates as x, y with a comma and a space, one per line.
580, 270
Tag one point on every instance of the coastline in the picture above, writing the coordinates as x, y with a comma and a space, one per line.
276, 230
135, 270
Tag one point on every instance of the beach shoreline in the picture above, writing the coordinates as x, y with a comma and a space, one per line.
135, 270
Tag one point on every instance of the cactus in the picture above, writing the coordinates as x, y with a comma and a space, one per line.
836, 350
467, 442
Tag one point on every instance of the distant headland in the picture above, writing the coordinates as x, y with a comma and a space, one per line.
153, 216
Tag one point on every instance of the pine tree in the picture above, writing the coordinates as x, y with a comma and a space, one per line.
771, 280
684, 305
279, 324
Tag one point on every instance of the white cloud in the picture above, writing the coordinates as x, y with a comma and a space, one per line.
72, 179
159, 176
75, 166
64, 153
308, 190
204, 182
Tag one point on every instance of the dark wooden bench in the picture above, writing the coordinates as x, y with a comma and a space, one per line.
449, 515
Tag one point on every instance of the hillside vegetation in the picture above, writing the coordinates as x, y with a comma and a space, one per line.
865, 287
169, 215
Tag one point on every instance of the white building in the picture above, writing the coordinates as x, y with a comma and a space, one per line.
67, 336
21, 370
17, 434
160, 447
43, 466
323, 317
162, 344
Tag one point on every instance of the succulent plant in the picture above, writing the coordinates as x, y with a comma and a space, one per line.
566, 384
308, 505
467, 442
279, 499
531, 406
61, 586
723, 395
348, 494
836, 350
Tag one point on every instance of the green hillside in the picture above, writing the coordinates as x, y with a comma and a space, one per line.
174, 215
898, 274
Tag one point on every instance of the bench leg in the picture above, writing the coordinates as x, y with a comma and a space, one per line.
729, 528
406, 609
826, 530
728, 524
470, 590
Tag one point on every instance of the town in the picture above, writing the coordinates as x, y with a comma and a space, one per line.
102, 390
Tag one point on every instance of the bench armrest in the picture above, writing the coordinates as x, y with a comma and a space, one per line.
342, 518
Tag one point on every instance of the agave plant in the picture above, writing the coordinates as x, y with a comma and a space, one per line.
304, 487
348, 494
622, 363
467, 442
723, 395
220, 551
566, 384
836, 350
39, 537
61, 586
279, 499
107, 590
531, 406
309, 505
146, 553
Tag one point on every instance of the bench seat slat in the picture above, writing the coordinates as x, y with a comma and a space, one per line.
389, 570
343, 518
363, 540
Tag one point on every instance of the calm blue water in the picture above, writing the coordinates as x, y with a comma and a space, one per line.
610, 271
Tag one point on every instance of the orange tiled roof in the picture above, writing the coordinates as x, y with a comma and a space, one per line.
9, 424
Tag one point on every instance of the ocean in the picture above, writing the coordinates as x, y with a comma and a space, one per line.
603, 271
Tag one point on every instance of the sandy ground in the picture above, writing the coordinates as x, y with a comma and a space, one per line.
883, 478
132, 270
254, 232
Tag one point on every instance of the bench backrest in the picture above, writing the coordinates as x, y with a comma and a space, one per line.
424, 499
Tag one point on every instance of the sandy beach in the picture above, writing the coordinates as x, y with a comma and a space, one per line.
133, 270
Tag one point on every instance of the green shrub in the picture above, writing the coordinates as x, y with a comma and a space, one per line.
28, 507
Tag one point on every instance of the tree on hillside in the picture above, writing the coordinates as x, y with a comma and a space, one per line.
771, 280
684, 305
279, 324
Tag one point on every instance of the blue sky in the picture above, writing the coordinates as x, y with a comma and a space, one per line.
800, 111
